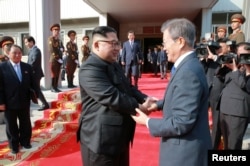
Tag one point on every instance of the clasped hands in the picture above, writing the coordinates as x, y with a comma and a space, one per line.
144, 110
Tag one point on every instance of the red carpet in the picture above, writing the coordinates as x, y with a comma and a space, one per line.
54, 136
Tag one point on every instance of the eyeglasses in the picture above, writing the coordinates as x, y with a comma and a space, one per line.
115, 44
164, 43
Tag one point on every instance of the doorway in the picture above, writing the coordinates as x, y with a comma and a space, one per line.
149, 43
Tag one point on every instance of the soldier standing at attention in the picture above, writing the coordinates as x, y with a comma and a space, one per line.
56, 50
236, 21
5, 43
85, 48
72, 58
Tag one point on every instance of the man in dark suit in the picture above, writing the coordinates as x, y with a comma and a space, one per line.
35, 60
184, 130
131, 57
105, 126
16, 80
154, 59
56, 50
235, 103
162, 61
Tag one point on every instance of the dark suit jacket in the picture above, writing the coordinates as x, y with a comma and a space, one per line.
35, 60
235, 100
13, 93
108, 99
131, 53
184, 127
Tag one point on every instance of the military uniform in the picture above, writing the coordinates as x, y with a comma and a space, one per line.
56, 50
237, 35
85, 50
71, 60
5, 41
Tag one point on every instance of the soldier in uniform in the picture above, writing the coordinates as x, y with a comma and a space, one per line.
56, 50
236, 21
85, 48
5, 43
72, 58
221, 32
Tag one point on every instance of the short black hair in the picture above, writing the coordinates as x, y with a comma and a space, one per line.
245, 44
30, 38
103, 30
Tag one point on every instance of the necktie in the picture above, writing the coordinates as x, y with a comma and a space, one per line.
131, 43
18, 72
173, 71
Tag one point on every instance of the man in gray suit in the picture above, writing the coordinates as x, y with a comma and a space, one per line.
35, 60
184, 129
131, 58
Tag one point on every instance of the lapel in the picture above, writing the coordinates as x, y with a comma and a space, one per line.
190, 56
13, 72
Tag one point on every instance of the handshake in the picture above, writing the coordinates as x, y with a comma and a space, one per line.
149, 105
144, 110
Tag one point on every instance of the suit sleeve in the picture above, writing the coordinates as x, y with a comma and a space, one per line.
97, 84
183, 113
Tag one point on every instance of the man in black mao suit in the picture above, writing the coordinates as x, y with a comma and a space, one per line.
131, 58
235, 103
105, 126
15, 98
35, 60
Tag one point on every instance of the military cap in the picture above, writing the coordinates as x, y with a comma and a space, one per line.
223, 28
238, 17
55, 26
6, 40
70, 32
85, 37
244, 59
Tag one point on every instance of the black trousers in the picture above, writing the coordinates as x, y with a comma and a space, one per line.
233, 129
18, 133
89, 158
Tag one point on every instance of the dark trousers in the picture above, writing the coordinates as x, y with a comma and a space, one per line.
216, 128
233, 129
93, 159
18, 133
40, 95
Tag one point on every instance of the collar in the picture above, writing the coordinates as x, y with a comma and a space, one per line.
13, 64
180, 59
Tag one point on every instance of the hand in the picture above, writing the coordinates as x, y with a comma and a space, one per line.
2, 107
144, 109
232, 65
140, 118
247, 67
150, 103
123, 63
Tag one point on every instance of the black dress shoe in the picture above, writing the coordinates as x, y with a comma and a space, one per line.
57, 90
14, 151
44, 107
53, 90
72, 86
27, 146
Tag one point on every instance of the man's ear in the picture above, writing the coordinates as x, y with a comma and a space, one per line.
96, 45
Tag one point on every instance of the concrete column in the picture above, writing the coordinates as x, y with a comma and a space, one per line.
103, 19
246, 25
43, 13
206, 24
